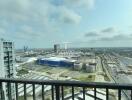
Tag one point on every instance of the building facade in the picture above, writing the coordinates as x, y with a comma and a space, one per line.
56, 48
7, 61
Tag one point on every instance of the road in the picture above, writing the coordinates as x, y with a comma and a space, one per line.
99, 71
117, 78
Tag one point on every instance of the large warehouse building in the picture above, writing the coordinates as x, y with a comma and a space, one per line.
56, 61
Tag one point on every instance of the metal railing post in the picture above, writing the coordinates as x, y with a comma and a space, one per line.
9, 91
1, 92
57, 90
95, 94
52, 92
62, 92
84, 93
72, 92
34, 96
119, 94
43, 97
107, 94
25, 92
16, 87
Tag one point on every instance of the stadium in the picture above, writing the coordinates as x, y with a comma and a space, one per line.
56, 61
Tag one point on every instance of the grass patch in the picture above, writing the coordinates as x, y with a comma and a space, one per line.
22, 71
89, 78
106, 78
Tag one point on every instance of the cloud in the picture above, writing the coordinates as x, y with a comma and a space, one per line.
91, 34
119, 37
100, 33
34, 11
27, 19
36, 14
107, 37
108, 30
26, 30
113, 35
68, 16
80, 3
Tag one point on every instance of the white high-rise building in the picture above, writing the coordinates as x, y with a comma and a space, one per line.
7, 69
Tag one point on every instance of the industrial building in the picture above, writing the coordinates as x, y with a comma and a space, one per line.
91, 67
56, 61
7, 69
78, 66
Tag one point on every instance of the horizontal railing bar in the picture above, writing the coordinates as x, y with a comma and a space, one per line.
69, 83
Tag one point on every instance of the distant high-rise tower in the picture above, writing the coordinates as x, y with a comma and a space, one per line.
25, 48
56, 48
66, 46
7, 69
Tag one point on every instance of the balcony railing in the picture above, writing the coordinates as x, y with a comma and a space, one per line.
57, 88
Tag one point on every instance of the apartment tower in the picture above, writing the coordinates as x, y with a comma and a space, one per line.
7, 69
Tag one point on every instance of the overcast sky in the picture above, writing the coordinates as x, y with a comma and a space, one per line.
41, 23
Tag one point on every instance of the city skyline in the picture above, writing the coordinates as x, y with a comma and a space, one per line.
83, 23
